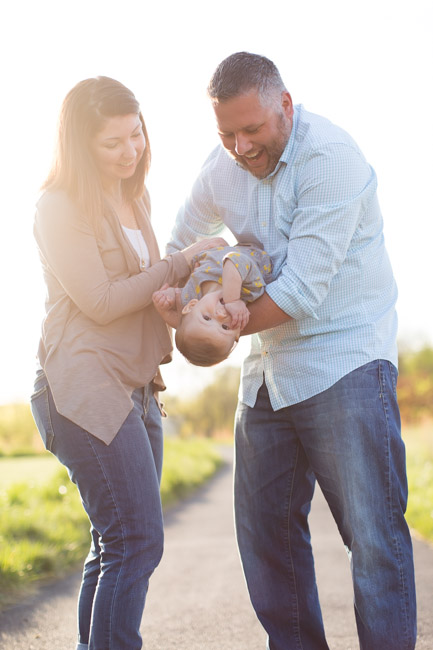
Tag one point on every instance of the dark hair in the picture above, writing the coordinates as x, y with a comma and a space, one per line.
83, 113
242, 72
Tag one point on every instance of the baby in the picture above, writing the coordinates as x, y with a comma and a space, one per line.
213, 301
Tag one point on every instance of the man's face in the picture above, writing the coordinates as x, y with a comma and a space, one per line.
255, 134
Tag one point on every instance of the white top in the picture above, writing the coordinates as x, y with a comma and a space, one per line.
136, 238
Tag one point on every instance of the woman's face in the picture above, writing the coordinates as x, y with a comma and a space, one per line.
118, 148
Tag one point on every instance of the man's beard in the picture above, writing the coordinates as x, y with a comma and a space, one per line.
274, 151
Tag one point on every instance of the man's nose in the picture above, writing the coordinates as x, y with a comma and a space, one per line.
243, 144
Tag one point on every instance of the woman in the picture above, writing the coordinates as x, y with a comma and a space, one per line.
95, 400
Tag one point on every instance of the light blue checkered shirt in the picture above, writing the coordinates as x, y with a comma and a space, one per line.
318, 217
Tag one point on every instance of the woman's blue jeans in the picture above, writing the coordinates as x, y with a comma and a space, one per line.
348, 438
119, 488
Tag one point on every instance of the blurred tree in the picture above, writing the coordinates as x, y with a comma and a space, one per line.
415, 385
211, 412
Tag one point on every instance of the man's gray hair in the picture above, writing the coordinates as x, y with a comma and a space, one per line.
243, 72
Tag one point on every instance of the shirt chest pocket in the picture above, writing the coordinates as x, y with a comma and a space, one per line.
284, 211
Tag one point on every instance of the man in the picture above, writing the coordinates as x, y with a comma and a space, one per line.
318, 392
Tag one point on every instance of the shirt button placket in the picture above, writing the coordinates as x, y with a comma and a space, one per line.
264, 196
265, 215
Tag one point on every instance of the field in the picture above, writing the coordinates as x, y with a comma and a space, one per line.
35, 470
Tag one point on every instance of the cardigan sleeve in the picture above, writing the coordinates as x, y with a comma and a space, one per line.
69, 252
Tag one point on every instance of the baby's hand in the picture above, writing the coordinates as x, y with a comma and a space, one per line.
239, 313
164, 298
167, 304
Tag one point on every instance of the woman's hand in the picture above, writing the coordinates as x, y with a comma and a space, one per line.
203, 245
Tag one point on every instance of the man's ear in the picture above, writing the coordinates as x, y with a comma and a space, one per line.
189, 306
287, 104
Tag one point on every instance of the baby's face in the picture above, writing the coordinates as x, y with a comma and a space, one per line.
208, 319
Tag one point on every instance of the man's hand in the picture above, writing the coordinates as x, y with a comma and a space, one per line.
203, 245
167, 302
239, 313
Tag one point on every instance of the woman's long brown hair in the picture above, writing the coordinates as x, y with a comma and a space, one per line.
83, 113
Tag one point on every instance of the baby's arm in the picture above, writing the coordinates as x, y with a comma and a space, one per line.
232, 287
167, 303
231, 281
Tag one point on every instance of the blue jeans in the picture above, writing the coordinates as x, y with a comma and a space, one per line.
119, 488
348, 438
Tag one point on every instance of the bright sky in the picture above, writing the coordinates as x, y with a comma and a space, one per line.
367, 66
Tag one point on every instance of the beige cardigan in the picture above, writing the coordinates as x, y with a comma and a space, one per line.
101, 336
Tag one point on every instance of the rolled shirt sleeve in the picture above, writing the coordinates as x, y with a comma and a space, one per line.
334, 190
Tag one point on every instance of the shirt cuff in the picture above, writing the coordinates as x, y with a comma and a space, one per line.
292, 302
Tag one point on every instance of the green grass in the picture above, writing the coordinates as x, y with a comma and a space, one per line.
419, 454
187, 464
34, 470
44, 531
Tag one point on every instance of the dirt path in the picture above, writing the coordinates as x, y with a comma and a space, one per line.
197, 598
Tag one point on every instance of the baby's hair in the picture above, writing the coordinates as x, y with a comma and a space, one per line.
197, 351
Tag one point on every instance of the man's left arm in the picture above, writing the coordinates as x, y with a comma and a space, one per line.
335, 189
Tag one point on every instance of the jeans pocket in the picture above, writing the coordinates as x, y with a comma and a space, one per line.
394, 376
41, 414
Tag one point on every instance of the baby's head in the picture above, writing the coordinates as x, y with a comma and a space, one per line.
204, 335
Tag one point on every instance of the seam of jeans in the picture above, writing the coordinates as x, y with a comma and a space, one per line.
295, 607
404, 596
123, 540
